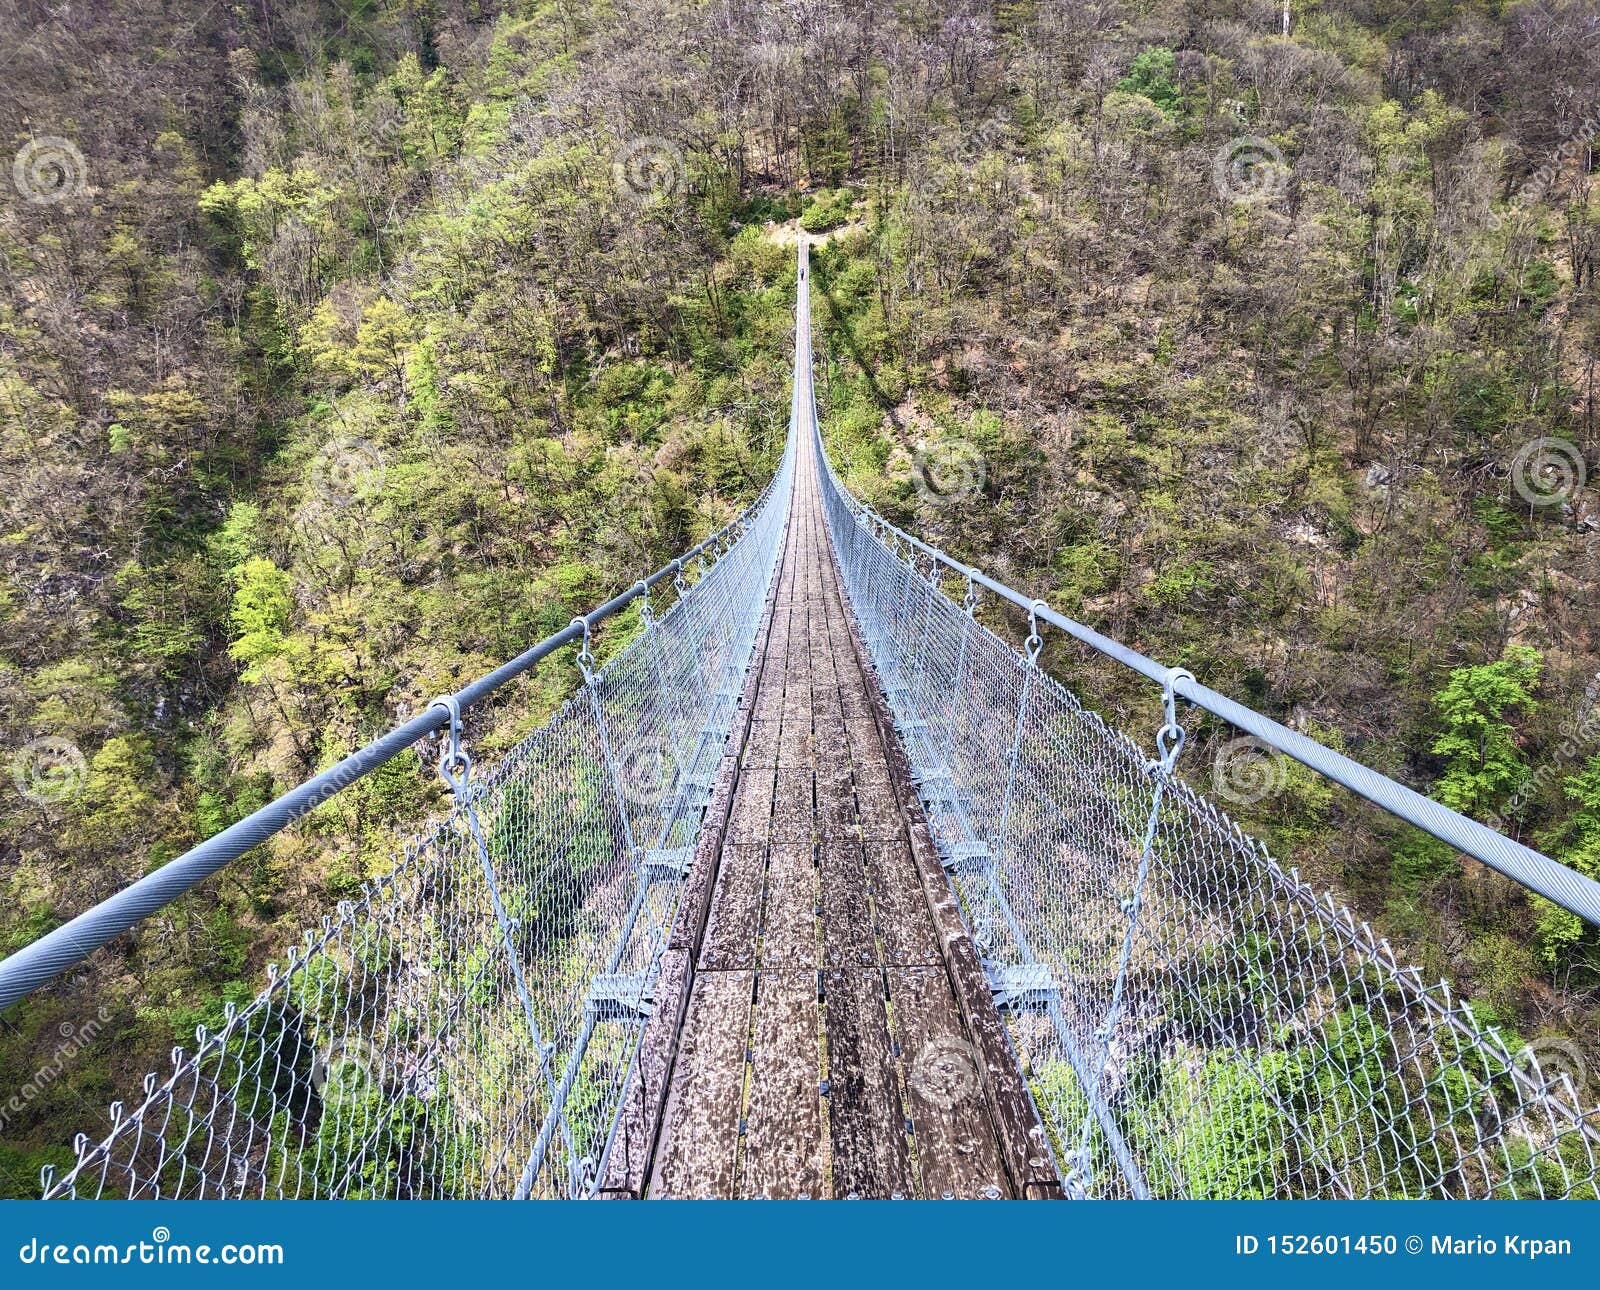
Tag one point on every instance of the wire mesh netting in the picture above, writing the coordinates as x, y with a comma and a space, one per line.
1192, 1018
466, 1028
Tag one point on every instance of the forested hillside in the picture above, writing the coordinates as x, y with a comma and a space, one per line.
346, 349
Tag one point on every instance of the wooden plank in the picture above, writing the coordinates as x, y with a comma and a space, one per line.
957, 1153
829, 733
836, 798
1022, 1137
782, 634
794, 743
866, 1121
782, 1157
878, 801
874, 789
730, 937
769, 696
700, 1140
752, 805
788, 908
905, 928
695, 897
793, 814
847, 939
761, 748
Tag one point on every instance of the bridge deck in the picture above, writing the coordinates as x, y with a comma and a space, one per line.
824, 1051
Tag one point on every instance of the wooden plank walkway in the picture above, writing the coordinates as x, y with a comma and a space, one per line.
822, 1027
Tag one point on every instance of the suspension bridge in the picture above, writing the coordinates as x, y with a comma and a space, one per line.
820, 888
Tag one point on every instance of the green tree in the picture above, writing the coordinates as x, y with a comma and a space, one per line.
383, 341
260, 614
1152, 76
119, 806
168, 606
1484, 766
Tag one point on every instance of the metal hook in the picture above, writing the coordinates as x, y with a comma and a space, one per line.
1035, 642
1171, 737
647, 613
585, 654
969, 602
455, 766
1169, 743
1169, 694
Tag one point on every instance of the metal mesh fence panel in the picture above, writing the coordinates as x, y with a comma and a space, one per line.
1192, 1018
466, 1027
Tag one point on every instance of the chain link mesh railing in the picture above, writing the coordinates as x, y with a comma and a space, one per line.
466, 1027
1193, 1019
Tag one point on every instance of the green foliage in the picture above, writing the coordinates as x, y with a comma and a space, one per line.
1420, 860
571, 841
1483, 762
1152, 75
1231, 1136
20, 1167
1561, 934
181, 1020
117, 796
1181, 584
262, 604
33, 924
170, 609
826, 211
